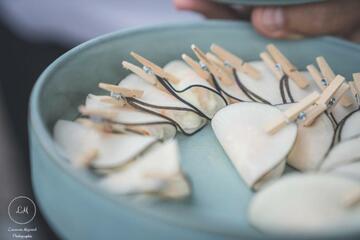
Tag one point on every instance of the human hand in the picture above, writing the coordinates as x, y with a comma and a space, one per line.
337, 18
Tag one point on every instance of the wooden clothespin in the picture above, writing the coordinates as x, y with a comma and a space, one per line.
235, 61
107, 127
215, 60
325, 69
355, 87
322, 82
196, 67
352, 199
316, 75
113, 101
356, 79
86, 158
97, 112
125, 92
325, 101
287, 66
340, 94
329, 76
215, 70
155, 68
270, 63
121, 128
140, 72
150, 78
100, 126
139, 130
110, 100
292, 113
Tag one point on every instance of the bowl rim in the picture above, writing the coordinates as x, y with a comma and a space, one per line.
38, 128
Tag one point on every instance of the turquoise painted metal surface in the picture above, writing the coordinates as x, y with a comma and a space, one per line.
70, 199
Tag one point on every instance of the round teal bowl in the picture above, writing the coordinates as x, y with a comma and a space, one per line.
70, 199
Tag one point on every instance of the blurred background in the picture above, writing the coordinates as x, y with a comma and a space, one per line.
33, 33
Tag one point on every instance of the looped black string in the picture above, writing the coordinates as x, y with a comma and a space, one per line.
287, 87
135, 104
165, 83
341, 124
282, 92
251, 95
193, 86
218, 87
141, 124
131, 99
198, 111
339, 127
333, 118
284, 86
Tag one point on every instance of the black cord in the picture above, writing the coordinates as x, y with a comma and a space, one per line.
218, 87
333, 118
285, 89
341, 124
160, 107
198, 111
335, 133
165, 83
281, 86
195, 85
135, 103
253, 96
287, 86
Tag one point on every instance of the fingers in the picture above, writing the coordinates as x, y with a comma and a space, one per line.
208, 8
333, 18
270, 22
339, 18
